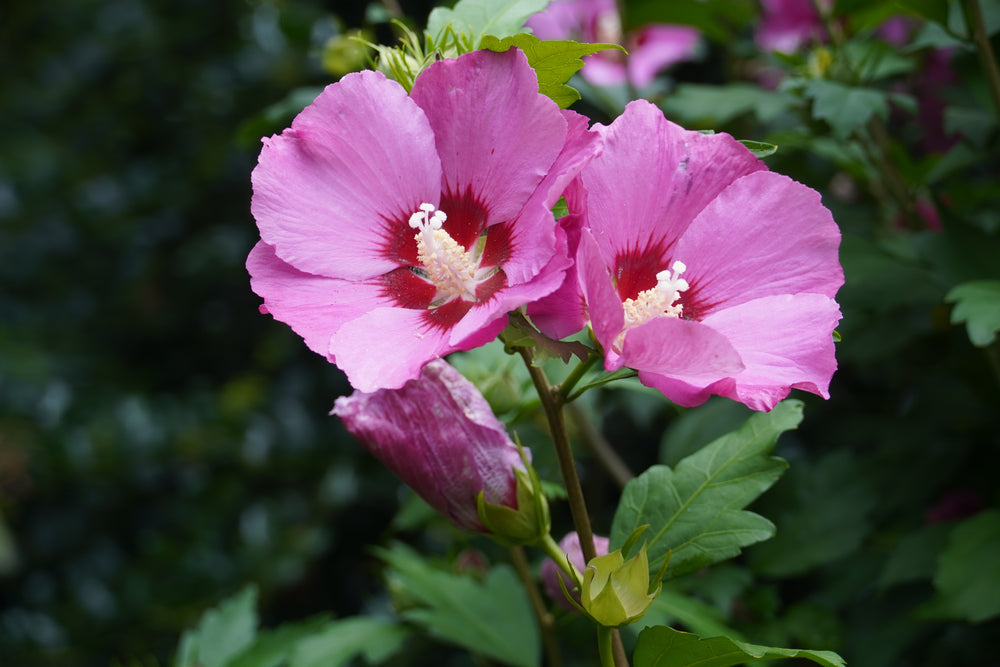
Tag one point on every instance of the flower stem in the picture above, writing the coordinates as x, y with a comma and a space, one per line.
604, 646
546, 622
609, 641
552, 406
574, 377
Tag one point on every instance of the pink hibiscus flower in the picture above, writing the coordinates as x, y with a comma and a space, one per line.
398, 228
698, 267
438, 434
651, 48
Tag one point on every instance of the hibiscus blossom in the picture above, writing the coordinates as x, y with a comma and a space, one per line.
398, 228
651, 48
698, 267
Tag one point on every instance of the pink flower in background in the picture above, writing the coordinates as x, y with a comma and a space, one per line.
398, 228
698, 267
439, 435
651, 48
550, 572
787, 25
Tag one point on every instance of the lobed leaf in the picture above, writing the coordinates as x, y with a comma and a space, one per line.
222, 633
977, 304
554, 62
695, 512
478, 18
661, 646
968, 578
479, 616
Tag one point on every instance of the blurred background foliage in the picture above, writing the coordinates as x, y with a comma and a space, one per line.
162, 443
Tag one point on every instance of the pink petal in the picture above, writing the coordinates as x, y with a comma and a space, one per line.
673, 346
352, 168
495, 134
786, 342
653, 177
563, 312
763, 235
658, 47
385, 347
314, 306
607, 317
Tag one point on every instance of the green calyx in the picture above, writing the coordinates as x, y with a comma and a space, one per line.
616, 591
529, 522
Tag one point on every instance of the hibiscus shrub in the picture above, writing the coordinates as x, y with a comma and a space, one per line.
683, 352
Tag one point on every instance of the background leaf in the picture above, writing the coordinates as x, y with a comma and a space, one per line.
977, 303
696, 511
968, 574
492, 617
661, 646
500, 18
821, 510
222, 634
342, 640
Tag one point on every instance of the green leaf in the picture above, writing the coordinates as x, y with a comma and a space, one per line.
705, 105
482, 617
977, 303
661, 646
222, 634
968, 575
477, 18
675, 606
272, 648
759, 148
341, 641
695, 512
554, 62
845, 108
821, 510
915, 556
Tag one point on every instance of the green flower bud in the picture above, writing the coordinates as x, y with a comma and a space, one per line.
617, 592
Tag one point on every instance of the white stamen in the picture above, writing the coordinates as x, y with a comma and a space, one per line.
452, 269
658, 301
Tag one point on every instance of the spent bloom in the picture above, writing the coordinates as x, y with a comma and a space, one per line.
398, 228
650, 49
698, 267
438, 434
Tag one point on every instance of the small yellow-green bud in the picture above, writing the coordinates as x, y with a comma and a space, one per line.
617, 592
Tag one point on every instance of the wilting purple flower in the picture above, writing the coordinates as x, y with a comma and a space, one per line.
550, 572
438, 434
698, 267
651, 48
398, 228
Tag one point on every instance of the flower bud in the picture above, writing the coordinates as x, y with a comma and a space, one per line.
551, 572
617, 592
438, 434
